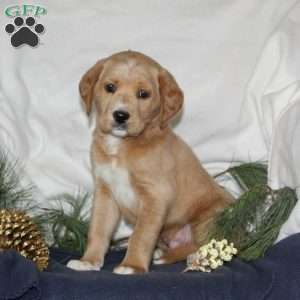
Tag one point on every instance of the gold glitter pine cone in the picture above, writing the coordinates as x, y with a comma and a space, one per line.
18, 232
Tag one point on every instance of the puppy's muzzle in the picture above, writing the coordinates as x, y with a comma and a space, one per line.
121, 116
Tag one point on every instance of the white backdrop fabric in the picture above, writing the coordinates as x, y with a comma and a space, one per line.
238, 63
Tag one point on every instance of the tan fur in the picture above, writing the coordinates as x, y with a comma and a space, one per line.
171, 187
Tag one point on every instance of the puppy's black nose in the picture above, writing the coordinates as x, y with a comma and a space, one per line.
121, 116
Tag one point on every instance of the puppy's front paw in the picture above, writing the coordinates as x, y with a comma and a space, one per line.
126, 270
83, 265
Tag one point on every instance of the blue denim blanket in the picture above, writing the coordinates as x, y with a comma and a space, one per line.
275, 277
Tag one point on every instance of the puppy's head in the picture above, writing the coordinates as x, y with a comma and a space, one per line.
131, 92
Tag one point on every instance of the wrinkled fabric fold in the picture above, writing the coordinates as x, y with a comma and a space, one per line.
274, 277
19, 277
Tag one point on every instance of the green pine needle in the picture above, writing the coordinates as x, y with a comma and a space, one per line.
280, 204
247, 175
67, 224
253, 222
12, 194
250, 174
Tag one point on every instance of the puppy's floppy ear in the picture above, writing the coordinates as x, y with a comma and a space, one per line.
87, 84
171, 97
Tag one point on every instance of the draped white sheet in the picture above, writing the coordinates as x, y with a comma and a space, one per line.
237, 61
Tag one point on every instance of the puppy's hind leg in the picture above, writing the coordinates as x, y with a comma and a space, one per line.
179, 245
173, 255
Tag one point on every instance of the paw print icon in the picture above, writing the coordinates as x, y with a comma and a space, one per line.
24, 32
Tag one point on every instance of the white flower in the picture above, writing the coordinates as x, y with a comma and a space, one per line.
203, 252
205, 262
211, 256
227, 257
225, 242
214, 265
213, 253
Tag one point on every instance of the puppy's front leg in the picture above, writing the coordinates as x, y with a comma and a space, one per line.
143, 239
104, 219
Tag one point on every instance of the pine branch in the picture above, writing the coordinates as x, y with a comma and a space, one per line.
66, 222
253, 222
12, 194
247, 175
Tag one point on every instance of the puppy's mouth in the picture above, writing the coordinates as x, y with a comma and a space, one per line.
119, 130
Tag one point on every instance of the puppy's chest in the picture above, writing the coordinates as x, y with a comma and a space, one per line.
117, 178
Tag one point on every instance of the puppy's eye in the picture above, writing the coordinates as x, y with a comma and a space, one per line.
110, 88
143, 94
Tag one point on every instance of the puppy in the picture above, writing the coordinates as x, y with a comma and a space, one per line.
141, 169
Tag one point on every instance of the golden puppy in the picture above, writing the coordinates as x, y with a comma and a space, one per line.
142, 170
